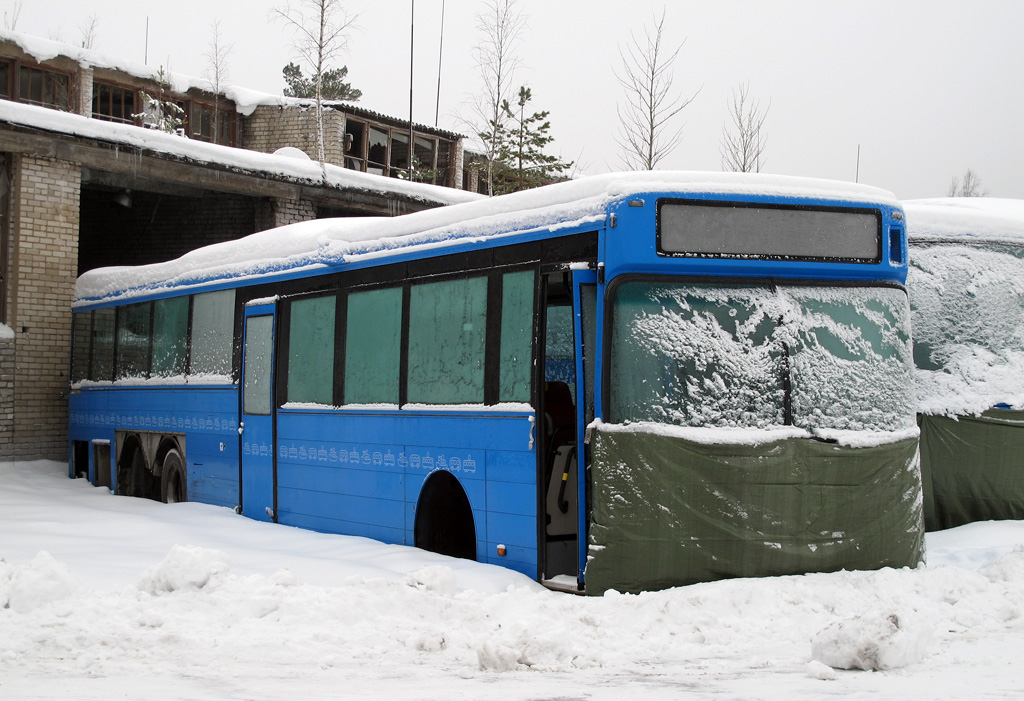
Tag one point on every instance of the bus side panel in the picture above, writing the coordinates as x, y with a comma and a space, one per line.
205, 418
512, 482
361, 474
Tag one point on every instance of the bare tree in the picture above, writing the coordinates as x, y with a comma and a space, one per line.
11, 18
321, 30
501, 25
650, 102
743, 141
90, 31
970, 186
217, 55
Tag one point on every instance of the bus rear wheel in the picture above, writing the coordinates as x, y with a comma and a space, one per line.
444, 518
173, 485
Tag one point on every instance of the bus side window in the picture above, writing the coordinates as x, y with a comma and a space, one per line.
102, 362
170, 336
133, 341
517, 292
81, 346
311, 350
213, 331
447, 338
373, 346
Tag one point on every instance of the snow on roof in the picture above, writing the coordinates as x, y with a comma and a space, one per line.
282, 165
950, 218
335, 242
246, 100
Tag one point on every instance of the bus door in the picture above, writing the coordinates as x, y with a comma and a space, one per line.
567, 408
259, 494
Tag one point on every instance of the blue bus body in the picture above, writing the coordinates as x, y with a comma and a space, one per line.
473, 318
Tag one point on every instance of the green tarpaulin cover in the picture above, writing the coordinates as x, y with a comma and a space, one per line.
669, 512
972, 467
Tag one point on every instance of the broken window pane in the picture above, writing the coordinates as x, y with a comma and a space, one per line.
355, 136
377, 153
399, 152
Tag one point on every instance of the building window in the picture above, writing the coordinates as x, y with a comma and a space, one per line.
377, 152
355, 144
113, 104
212, 125
382, 150
6, 76
38, 86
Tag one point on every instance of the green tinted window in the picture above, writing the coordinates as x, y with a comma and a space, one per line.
259, 364
447, 330
516, 336
213, 333
170, 336
81, 346
373, 350
133, 341
311, 351
103, 345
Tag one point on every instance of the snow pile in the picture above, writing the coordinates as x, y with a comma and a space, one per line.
186, 566
873, 641
148, 606
966, 285
6, 332
41, 582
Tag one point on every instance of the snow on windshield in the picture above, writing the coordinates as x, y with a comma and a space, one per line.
750, 357
967, 304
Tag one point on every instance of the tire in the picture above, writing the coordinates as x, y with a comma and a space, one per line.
173, 482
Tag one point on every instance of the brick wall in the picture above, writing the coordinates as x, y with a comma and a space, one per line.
272, 127
158, 227
41, 280
6, 397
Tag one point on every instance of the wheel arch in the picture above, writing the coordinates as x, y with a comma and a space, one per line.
444, 522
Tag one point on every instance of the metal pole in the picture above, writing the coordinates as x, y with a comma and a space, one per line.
412, 62
858, 164
440, 52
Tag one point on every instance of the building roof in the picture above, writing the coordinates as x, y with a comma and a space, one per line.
246, 100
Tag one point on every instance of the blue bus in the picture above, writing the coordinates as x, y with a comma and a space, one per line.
967, 311
630, 381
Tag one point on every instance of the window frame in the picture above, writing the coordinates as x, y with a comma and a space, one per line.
128, 90
17, 86
493, 279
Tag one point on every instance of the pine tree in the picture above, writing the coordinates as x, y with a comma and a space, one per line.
333, 85
520, 161
161, 112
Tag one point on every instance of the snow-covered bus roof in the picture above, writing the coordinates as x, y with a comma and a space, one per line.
987, 219
331, 243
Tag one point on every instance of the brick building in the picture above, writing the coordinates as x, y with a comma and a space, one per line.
82, 185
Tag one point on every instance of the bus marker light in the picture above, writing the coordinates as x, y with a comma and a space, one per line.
501, 550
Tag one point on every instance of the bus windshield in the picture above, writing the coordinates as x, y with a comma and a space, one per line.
748, 356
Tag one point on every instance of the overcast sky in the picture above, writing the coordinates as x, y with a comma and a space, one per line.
925, 88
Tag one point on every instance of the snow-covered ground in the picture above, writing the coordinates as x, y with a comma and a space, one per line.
107, 597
